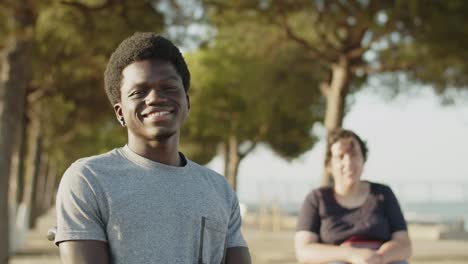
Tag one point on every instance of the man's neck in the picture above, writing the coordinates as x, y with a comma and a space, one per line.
162, 152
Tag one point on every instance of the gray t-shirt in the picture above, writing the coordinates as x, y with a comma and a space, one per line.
148, 212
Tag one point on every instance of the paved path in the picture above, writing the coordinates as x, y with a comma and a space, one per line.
266, 247
38, 250
269, 247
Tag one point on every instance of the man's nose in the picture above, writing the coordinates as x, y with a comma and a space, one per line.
155, 96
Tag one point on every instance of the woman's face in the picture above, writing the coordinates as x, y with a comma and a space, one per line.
346, 163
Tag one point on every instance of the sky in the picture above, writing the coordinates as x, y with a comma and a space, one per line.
416, 146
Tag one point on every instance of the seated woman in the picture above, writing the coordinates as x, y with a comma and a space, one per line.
354, 221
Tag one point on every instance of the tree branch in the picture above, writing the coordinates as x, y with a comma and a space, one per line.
248, 150
259, 137
315, 53
104, 5
387, 29
37, 94
67, 136
349, 7
387, 68
220, 5
357, 4
6, 4
324, 88
86, 10
359, 35
323, 36
124, 15
357, 50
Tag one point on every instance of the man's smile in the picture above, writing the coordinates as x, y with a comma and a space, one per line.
158, 115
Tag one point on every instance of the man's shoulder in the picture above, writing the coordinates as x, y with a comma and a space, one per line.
208, 174
103, 158
87, 165
205, 171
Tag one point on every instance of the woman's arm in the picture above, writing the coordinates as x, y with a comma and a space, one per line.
398, 248
309, 251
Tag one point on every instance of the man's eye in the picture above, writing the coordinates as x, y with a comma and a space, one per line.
171, 88
138, 92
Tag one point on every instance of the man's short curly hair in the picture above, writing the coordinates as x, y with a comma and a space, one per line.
338, 134
141, 46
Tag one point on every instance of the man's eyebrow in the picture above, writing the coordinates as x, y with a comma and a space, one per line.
144, 83
171, 77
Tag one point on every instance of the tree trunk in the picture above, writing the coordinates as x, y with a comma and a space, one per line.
225, 153
14, 173
14, 79
22, 158
39, 190
32, 169
335, 93
50, 186
12, 202
232, 162
16, 182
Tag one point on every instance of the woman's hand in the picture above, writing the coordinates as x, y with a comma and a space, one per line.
365, 256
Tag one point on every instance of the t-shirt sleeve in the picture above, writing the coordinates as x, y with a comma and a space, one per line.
78, 213
309, 216
234, 234
393, 212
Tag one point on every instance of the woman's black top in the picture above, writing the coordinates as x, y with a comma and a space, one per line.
376, 219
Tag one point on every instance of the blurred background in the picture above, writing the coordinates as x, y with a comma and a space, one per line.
270, 78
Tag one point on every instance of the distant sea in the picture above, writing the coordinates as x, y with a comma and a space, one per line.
431, 211
437, 211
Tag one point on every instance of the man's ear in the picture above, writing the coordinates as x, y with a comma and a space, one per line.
118, 112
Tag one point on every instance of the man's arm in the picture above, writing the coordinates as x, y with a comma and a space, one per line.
84, 252
238, 255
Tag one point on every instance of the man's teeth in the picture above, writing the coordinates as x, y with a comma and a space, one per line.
162, 113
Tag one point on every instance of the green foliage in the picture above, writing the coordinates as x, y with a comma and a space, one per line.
72, 42
426, 40
254, 94
440, 41
423, 40
5, 24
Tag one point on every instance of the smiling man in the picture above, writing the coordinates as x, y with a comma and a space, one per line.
146, 202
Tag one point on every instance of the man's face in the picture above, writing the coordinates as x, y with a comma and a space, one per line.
346, 163
153, 100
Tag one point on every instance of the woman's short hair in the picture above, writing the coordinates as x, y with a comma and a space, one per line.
339, 134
